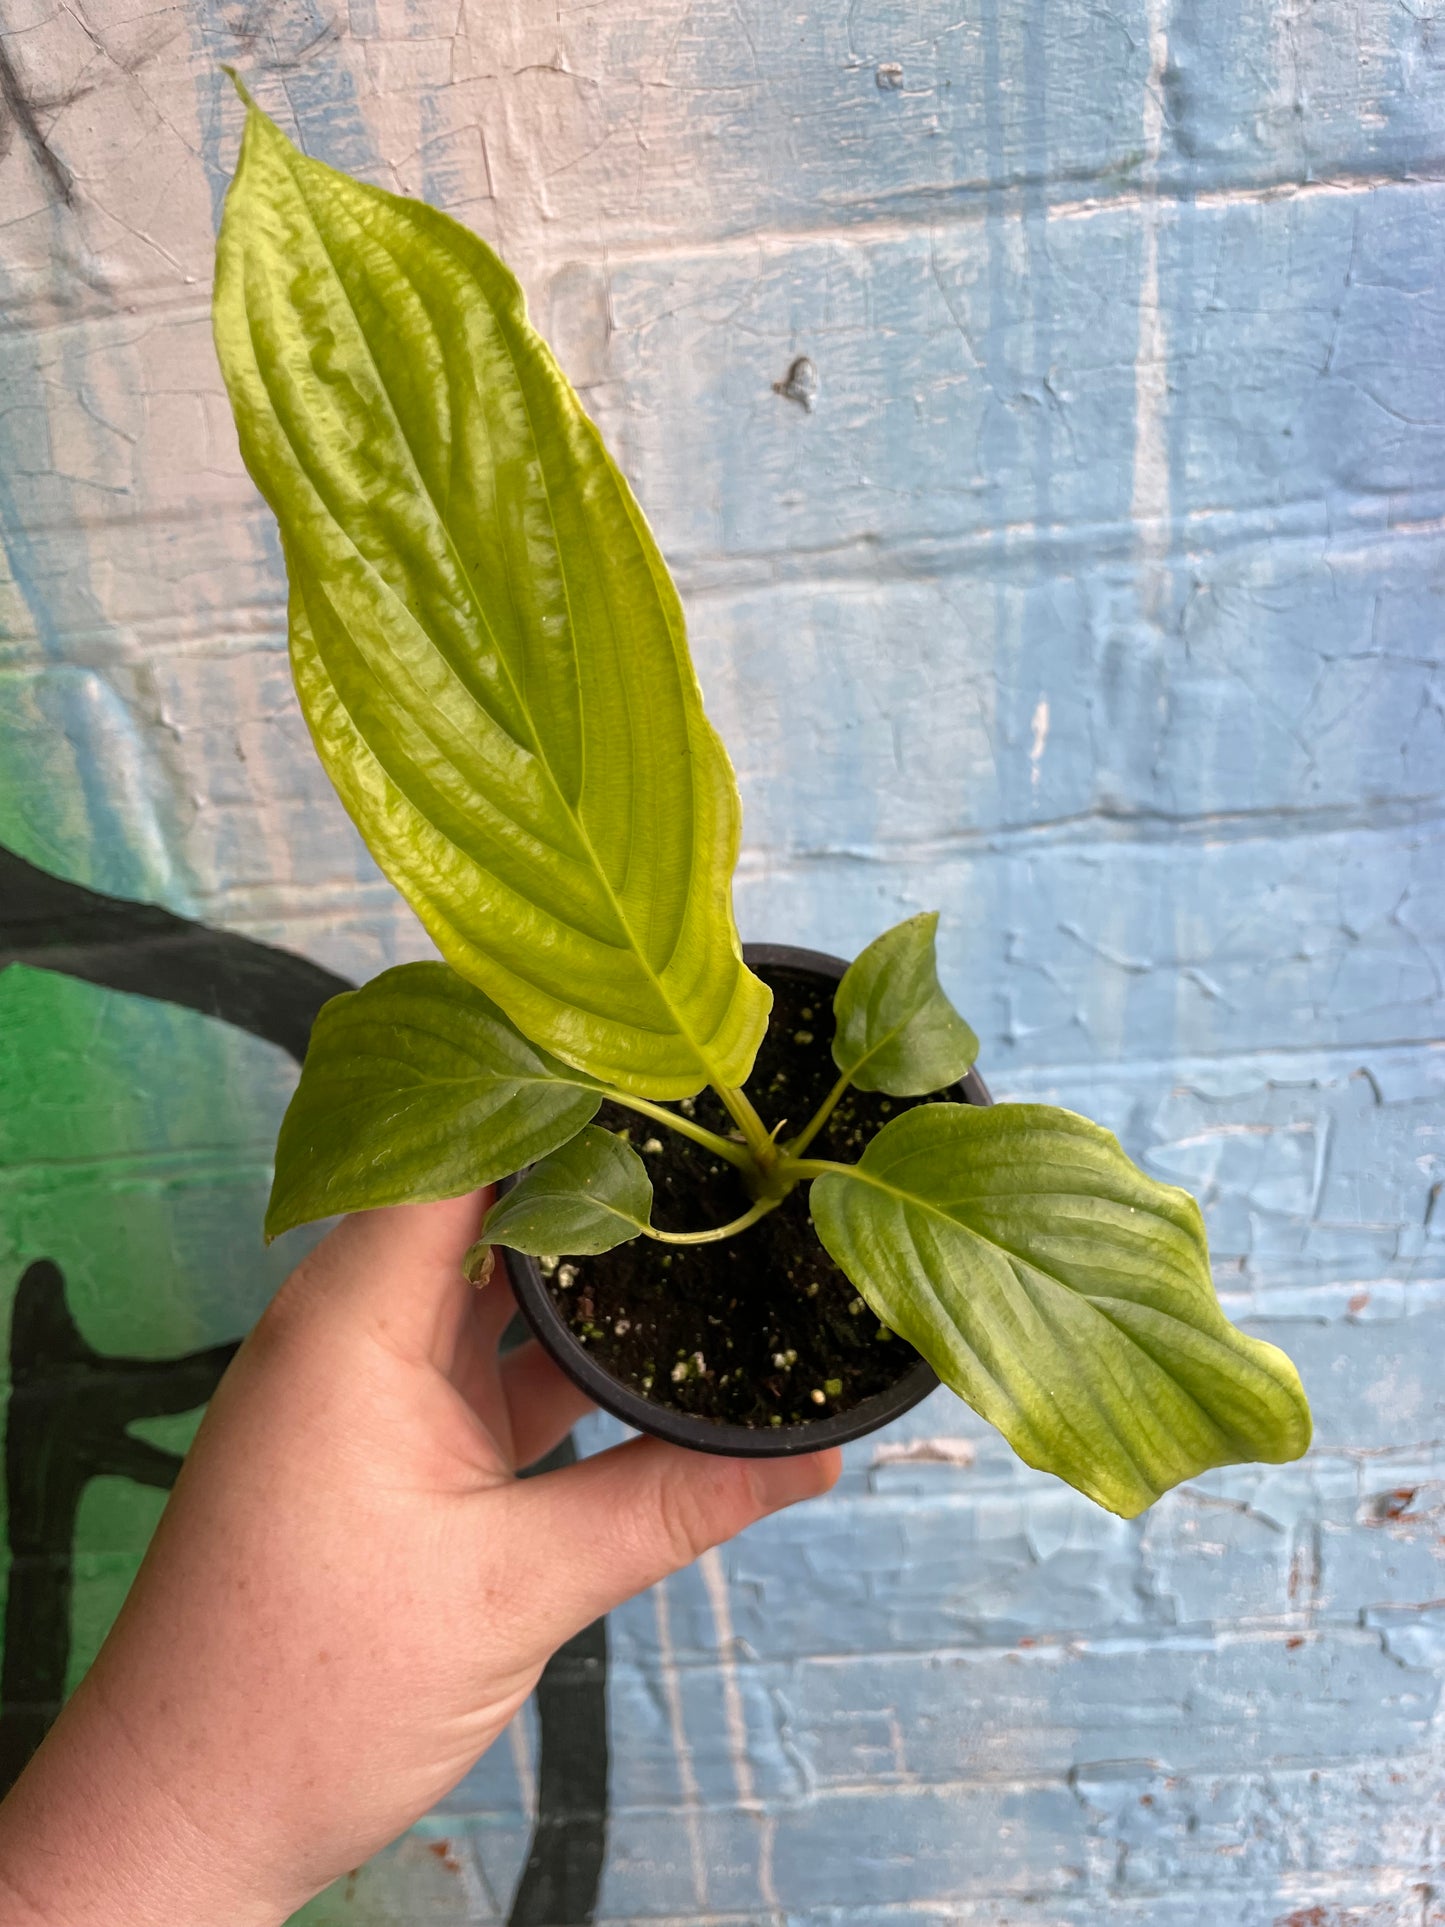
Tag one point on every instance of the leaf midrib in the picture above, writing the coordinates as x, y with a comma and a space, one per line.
465, 573
896, 1032
1017, 1261
580, 1194
1009, 1394
495, 1080
1015, 1257
883, 1042
563, 1074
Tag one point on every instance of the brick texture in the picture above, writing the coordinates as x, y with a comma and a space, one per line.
1096, 602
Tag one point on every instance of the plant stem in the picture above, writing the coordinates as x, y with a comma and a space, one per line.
797, 1145
750, 1216
759, 1138
719, 1146
798, 1170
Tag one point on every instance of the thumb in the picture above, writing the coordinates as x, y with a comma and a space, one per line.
593, 1534
397, 1270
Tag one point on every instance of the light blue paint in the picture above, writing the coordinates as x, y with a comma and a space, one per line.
312, 96
58, 600
1201, 904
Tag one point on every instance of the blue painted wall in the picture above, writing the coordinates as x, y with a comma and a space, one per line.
1097, 602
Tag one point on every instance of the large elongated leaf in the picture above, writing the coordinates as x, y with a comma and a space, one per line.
896, 1030
591, 1195
487, 645
417, 1086
1061, 1292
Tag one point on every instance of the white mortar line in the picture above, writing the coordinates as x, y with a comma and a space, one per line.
677, 1725
1040, 742
715, 1579
520, 1741
156, 301
1150, 504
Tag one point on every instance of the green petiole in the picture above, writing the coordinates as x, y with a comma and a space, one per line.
759, 1210
799, 1170
797, 1145
719, 1146
764, 1153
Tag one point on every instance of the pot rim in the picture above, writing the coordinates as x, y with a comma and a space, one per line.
719, 1436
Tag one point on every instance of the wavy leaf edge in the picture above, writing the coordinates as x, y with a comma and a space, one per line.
1255, 1370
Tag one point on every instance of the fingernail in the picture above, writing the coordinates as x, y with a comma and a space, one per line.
782, 1482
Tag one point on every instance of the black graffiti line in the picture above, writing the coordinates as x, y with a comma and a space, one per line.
66, 1424
22, 112
151, 952
562, 1874
272, 994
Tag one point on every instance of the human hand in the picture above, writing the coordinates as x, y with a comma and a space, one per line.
349, 1595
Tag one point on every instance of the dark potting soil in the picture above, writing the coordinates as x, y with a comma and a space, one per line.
762, 1329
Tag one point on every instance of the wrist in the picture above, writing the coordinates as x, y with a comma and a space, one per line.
16, 1908
90, 1838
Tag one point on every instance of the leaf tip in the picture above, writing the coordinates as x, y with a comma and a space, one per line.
240, 86
479, 1264
1129, 1509
276, 1224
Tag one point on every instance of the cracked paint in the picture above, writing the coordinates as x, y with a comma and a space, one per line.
1090, 593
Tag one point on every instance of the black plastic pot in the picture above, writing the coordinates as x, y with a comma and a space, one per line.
915, 1379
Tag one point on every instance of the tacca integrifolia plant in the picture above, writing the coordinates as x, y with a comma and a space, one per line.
491, 656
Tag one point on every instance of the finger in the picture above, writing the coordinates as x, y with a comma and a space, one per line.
493, 1309
475, 1369
583, 1539
398, 1270
543, 1402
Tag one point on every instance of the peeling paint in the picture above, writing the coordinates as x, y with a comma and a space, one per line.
1087, 590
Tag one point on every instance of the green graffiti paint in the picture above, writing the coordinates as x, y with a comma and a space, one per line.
135, 1154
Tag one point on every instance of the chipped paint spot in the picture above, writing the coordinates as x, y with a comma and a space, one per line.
944, 1451
1040, 741
800, 384
1107, 338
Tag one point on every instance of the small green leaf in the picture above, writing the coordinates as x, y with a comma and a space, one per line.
896, 1031
414, 1087
591, 1195
1061, 1292
486, 642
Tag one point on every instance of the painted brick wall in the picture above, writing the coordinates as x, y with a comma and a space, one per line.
1096, 601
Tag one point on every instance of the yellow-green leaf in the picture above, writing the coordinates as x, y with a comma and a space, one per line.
591, 1195
487, 644
417, 1086
896, 1030
1061, 1292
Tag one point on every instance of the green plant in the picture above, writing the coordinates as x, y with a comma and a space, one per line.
491, 656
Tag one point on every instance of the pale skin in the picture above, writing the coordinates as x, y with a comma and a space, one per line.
349, 1595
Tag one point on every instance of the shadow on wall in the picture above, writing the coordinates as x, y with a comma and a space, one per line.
70, 1407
